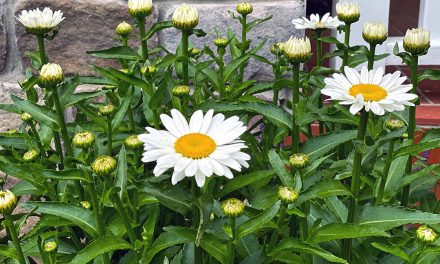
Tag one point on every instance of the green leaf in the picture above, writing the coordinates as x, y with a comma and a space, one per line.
276, 115
387, 217
120, 52
425, 172
302, 247
79, 216
163, 241
173, 197
98, 247
336, 231
256, 223
8, 251
395, 250
120, 114
25, 188
323, 189
244, 180
280, 169
431, 74
78, 97
394, 177
42, 114
317, 147
430, 140
234, 66
121, 174
158, 26
67, 174
288, 257
10, 108
18, 141
256, 22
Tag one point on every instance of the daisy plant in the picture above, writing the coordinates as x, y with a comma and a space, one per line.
176, 156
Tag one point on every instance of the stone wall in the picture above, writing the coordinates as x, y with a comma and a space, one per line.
89, 25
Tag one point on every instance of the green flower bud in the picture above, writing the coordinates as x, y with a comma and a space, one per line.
107, 110
394, 124
299, 160
50, 247
229, 88
287, 195
425, 234
51, 75
404, 136
244, 9
8, 201
124, 70
297, 50
2, 181
185, 17
148, 70
416, 41
348, 12
140, 8
31, 155
123, 29
85, 204
194, 52
104, 165
25, 117
181, 90
11, 131
276, 48
221, 42
232, 207
374, 32
83, 140
133, 142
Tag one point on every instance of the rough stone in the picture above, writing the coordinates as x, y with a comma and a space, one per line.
3, 45
214, 17
88, 25
9, 120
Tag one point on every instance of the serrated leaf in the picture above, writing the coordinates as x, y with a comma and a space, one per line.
395, 250
42, 114
257, 222
317, 147
336, 231
323, 189
280, 169
244, 180
119, 52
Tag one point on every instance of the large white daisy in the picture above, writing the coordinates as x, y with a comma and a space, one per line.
207, 145
315, 22
370, 90
40, 21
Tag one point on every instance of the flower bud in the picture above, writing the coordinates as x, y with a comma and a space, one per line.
8, 201
31, 155
244, 9
404, 136
297, 50
107, 110
416, 41
194, 52
50, 247
374, 32
232, 207
181, 90
11, 131
229, 88
51, 75
83, 140
25, 117
133, 142
287, 195
425, 234
123, 29
104, 165
276, 48
299, 160
140, 8
348, 12
2, 181
124, 70
394, 124
85, 204
148, 70
185, 17
221, 42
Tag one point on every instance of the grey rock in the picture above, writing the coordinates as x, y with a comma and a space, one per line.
9, 120
3, 42
215, 16
88, 25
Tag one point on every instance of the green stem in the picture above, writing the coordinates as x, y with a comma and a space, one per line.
144, 47
280, 221
355, 181
385, 172
319, 64
347, 31
196, 220
109, 136
62, 122
411, 126
220, 75
371, 56
185, 36
243, 44
37, 138
41, 50
295, 100
231, 241
14, 237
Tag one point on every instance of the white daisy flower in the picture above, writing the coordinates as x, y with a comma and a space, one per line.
370, 90
40, 22
207, 145
316, 23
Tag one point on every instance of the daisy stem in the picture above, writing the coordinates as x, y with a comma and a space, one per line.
185, 36
355, 181
319, 64
243, 45
62, 122
144, 48
280, 221
109, 136
41, 50
196, 220
295, 100
37, 138
13, 232
385, 172
411, 125
231, 240
371, 56
347, 30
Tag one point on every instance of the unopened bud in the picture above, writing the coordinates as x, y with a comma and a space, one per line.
299, 160
30, 155
287, 195
232, 207
104, 165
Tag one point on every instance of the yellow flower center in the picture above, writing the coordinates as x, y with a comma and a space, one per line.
195, 145
319, 24
371, 92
